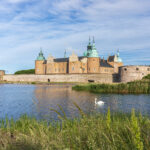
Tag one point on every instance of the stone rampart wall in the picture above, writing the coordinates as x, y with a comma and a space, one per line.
100, 78
132, 73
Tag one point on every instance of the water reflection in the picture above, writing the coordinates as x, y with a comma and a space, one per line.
51, 96
37, 100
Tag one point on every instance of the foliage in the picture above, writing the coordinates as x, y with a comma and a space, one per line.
30, 71
147, 77
108, 119
136, 87
135, 130
90, 132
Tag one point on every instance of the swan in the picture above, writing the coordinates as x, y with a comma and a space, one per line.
99, 102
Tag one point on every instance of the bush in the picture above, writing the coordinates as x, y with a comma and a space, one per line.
30, 71
147, 77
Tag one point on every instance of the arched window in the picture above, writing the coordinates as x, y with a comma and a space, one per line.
137, 69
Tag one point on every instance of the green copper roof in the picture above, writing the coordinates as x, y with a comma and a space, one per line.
91, 50
41, 56
118, 57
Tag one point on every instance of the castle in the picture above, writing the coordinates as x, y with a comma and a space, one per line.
87, 68
89, 63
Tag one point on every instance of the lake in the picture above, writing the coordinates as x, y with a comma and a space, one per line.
38, 100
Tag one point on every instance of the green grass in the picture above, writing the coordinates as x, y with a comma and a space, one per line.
30, 71
91, 132
136, 87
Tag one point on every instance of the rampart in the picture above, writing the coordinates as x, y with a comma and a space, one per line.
99, 78
132, 73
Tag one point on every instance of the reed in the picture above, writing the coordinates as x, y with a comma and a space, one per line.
136, 87
90, 132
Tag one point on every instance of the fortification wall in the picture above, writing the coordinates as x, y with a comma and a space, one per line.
2, 73
100, 78
132, 73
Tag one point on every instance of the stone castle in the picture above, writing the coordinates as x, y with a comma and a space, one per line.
87, 68
89, 63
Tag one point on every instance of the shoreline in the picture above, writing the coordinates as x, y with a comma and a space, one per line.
135, 87
39, 83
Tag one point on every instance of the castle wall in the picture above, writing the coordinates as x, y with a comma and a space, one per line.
39, 67
132, 73
54, 67
116, 66
93, 64
99, 78
107, 70
2, 73
75, 67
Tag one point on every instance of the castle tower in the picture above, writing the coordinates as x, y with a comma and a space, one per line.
93, 62
40, 64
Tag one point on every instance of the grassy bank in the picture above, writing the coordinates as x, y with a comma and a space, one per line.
114, 132
29, 71
136, 87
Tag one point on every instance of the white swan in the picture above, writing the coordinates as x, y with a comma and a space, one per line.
99, 102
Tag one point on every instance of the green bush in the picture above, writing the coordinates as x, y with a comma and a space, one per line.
147, 77
30, 71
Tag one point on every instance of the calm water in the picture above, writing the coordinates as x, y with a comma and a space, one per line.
38, 100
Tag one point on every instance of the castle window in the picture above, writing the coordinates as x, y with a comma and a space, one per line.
125, 69
137, 69
148, 69
89, 69
55, 70
72, 68
59, 70
63, 69
94, 69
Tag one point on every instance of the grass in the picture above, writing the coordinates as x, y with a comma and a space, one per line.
29, 71
91, 132
136, 87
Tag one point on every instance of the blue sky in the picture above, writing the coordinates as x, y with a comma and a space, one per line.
56, 25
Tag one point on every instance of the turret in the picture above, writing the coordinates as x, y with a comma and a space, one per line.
40, 64
93, 59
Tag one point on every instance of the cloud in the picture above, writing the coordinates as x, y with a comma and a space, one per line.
27, 25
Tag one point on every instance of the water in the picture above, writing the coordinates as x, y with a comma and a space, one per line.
38, 100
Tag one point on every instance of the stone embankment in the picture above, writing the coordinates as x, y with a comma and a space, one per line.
99, 78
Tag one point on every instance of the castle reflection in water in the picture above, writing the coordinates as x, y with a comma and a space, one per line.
49, 97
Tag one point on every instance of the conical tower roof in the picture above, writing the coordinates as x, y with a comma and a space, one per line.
41, 56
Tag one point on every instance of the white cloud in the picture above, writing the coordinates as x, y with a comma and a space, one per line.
17, 1
25, 26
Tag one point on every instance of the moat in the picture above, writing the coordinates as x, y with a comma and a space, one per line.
38, 100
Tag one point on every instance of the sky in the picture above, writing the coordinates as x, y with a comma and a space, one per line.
59, 25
